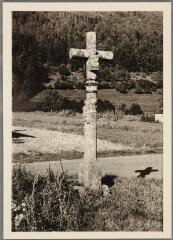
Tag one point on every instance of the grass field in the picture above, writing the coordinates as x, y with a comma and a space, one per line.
148, 102
132, 133
133, 137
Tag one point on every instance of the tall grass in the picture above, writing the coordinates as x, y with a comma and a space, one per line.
52, 203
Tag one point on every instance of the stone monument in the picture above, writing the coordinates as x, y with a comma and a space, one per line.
90, 171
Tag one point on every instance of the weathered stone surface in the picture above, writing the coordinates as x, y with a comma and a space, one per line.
105, 190
105, 55
90, 171
91, 54
91, 42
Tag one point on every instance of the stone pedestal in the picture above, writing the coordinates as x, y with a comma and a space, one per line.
90, 171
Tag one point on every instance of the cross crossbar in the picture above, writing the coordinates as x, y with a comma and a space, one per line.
91, 54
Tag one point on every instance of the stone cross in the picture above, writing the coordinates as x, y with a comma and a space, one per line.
90, 171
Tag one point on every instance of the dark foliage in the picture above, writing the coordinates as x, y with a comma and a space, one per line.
143, 86
135, 109
105, 106
147, 118
43, 39
56, 103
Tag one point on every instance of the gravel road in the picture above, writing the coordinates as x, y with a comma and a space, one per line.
124, 166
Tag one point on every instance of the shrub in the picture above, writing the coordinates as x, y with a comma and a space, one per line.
105, 106
64, 85
144, 87
80, 85
122, 106
157, 78
51, 201
21, 183
147, 118
130, 84
104, 85
135, 109
55, 102
122, 87
63, 70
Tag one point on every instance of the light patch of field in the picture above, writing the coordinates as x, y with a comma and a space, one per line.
50, 121
146, 136
48, 141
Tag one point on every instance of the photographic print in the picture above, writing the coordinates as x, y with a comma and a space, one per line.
86, 128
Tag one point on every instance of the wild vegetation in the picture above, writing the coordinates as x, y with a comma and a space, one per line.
109, 100
41, 43
53, 203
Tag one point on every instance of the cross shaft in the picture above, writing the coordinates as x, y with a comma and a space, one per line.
90, 171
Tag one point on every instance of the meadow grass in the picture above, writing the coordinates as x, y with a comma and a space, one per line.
52, 203
148, 102
142, 136
71, 155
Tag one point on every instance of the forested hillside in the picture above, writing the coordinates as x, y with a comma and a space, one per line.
41, 43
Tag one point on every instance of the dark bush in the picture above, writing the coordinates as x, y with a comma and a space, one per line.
105, 106
21, 183
63, 70
144, 87
124, 91
157, 78
138, 91
122, 106
147, 118
56, 103
122, 87
130, 84
104, 85
80, 85
64, 85
135, 109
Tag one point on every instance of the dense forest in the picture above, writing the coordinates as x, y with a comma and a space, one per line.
41, 43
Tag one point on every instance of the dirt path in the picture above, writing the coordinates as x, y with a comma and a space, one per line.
124, 166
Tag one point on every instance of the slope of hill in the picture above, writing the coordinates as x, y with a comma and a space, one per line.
43, 39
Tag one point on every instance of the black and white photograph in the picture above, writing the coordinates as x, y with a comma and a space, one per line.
86, 120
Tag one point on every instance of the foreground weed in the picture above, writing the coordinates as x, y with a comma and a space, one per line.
53, 203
